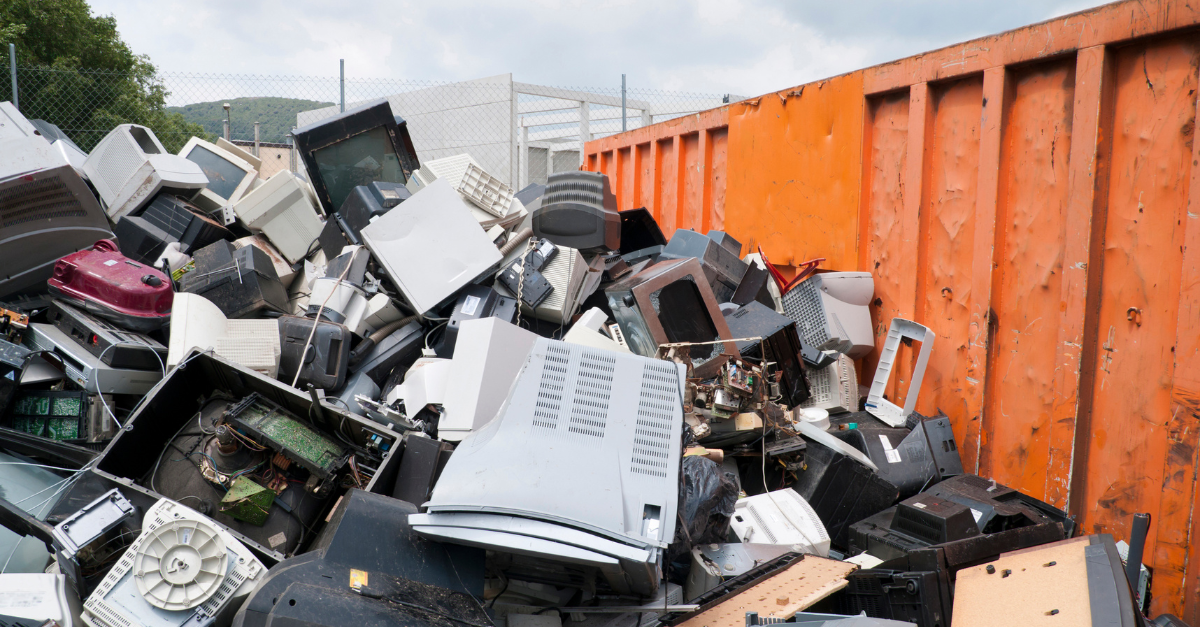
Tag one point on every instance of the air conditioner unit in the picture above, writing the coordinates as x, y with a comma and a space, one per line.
130, 166
831, 311
229, 176
281, 209
575, 417
184, 569
197, 322
834, 387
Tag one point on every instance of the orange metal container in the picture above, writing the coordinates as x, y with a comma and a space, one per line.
1033, 197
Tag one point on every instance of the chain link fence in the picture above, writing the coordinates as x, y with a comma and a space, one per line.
517, 131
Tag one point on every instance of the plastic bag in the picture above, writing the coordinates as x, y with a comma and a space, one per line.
706, 498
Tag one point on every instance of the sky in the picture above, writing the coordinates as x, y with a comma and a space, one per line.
742, 47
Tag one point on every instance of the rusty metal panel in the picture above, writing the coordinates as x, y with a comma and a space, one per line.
794, 173
1026, 299
946, 247
1032, 197
1131, 406
885, 148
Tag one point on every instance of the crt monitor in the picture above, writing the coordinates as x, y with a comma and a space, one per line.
129, 166
229, 176
362, 145
46, 212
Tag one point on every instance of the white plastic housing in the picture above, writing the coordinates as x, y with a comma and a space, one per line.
281, 209
129, 166
879, 406
780, 517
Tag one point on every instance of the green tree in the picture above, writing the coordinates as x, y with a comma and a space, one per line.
77, 73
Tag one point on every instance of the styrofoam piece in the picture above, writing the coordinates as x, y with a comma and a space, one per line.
281, 209
488, 356
424, 384
586, 332
197, 322
879, 406
820, 436
780, 517
486, 191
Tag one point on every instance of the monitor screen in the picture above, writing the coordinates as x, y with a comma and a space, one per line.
358, 160
683, 314
223, 176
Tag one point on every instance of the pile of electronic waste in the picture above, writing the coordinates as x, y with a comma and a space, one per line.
383, 390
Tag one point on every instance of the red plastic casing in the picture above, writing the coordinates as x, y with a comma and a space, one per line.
110, 285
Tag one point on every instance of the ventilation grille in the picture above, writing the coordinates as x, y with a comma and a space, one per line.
38, 200
656, 414
550, 391
804, 305
118, 160
172, 218
593, 389
761, 525
833, 387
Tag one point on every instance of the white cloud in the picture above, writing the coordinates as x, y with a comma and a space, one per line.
745, 47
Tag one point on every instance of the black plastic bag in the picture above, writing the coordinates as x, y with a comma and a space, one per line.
706, 497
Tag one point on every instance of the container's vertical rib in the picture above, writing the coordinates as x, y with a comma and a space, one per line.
681, 221
916, 189
618, 176
1085, 137
705, 174
655, 174
636, 156
1177, 519
991, 131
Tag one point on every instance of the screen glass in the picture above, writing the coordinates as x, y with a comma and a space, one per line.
223, 176
358, 160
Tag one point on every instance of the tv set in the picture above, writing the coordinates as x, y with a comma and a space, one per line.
718, 255
46, 212
579, 417
669, 302
362, 145
832, 311
130, 166
579, 210
229, 176
282, 211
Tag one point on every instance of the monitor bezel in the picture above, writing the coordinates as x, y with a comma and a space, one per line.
327, 132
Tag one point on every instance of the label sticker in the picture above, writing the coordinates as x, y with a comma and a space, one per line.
470, 305
110, 262
358, 579
277, 539
893, 456
920, 505
977, 514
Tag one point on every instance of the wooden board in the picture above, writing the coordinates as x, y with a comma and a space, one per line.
791, 590
1029, 595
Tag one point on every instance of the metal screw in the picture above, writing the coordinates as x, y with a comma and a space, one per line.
1051, 612
1050, 563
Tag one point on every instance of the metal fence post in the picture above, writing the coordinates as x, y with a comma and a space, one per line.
292, 151
342, 85
12, 68
623, 103
585, 132
256, 127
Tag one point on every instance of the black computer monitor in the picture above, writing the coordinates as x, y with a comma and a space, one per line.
360, 146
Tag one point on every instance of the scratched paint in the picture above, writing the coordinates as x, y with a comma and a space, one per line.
886, 143
947, 226
1152, 131
835, 168
1026, 296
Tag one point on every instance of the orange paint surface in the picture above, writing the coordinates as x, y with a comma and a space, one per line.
1034, 198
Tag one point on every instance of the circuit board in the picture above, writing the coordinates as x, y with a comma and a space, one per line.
274, 427
56, 417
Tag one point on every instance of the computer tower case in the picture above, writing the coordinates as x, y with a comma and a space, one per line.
241, 281
579, 211
109, 285
578, 417
672, 302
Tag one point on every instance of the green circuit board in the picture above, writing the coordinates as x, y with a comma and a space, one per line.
272, 426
